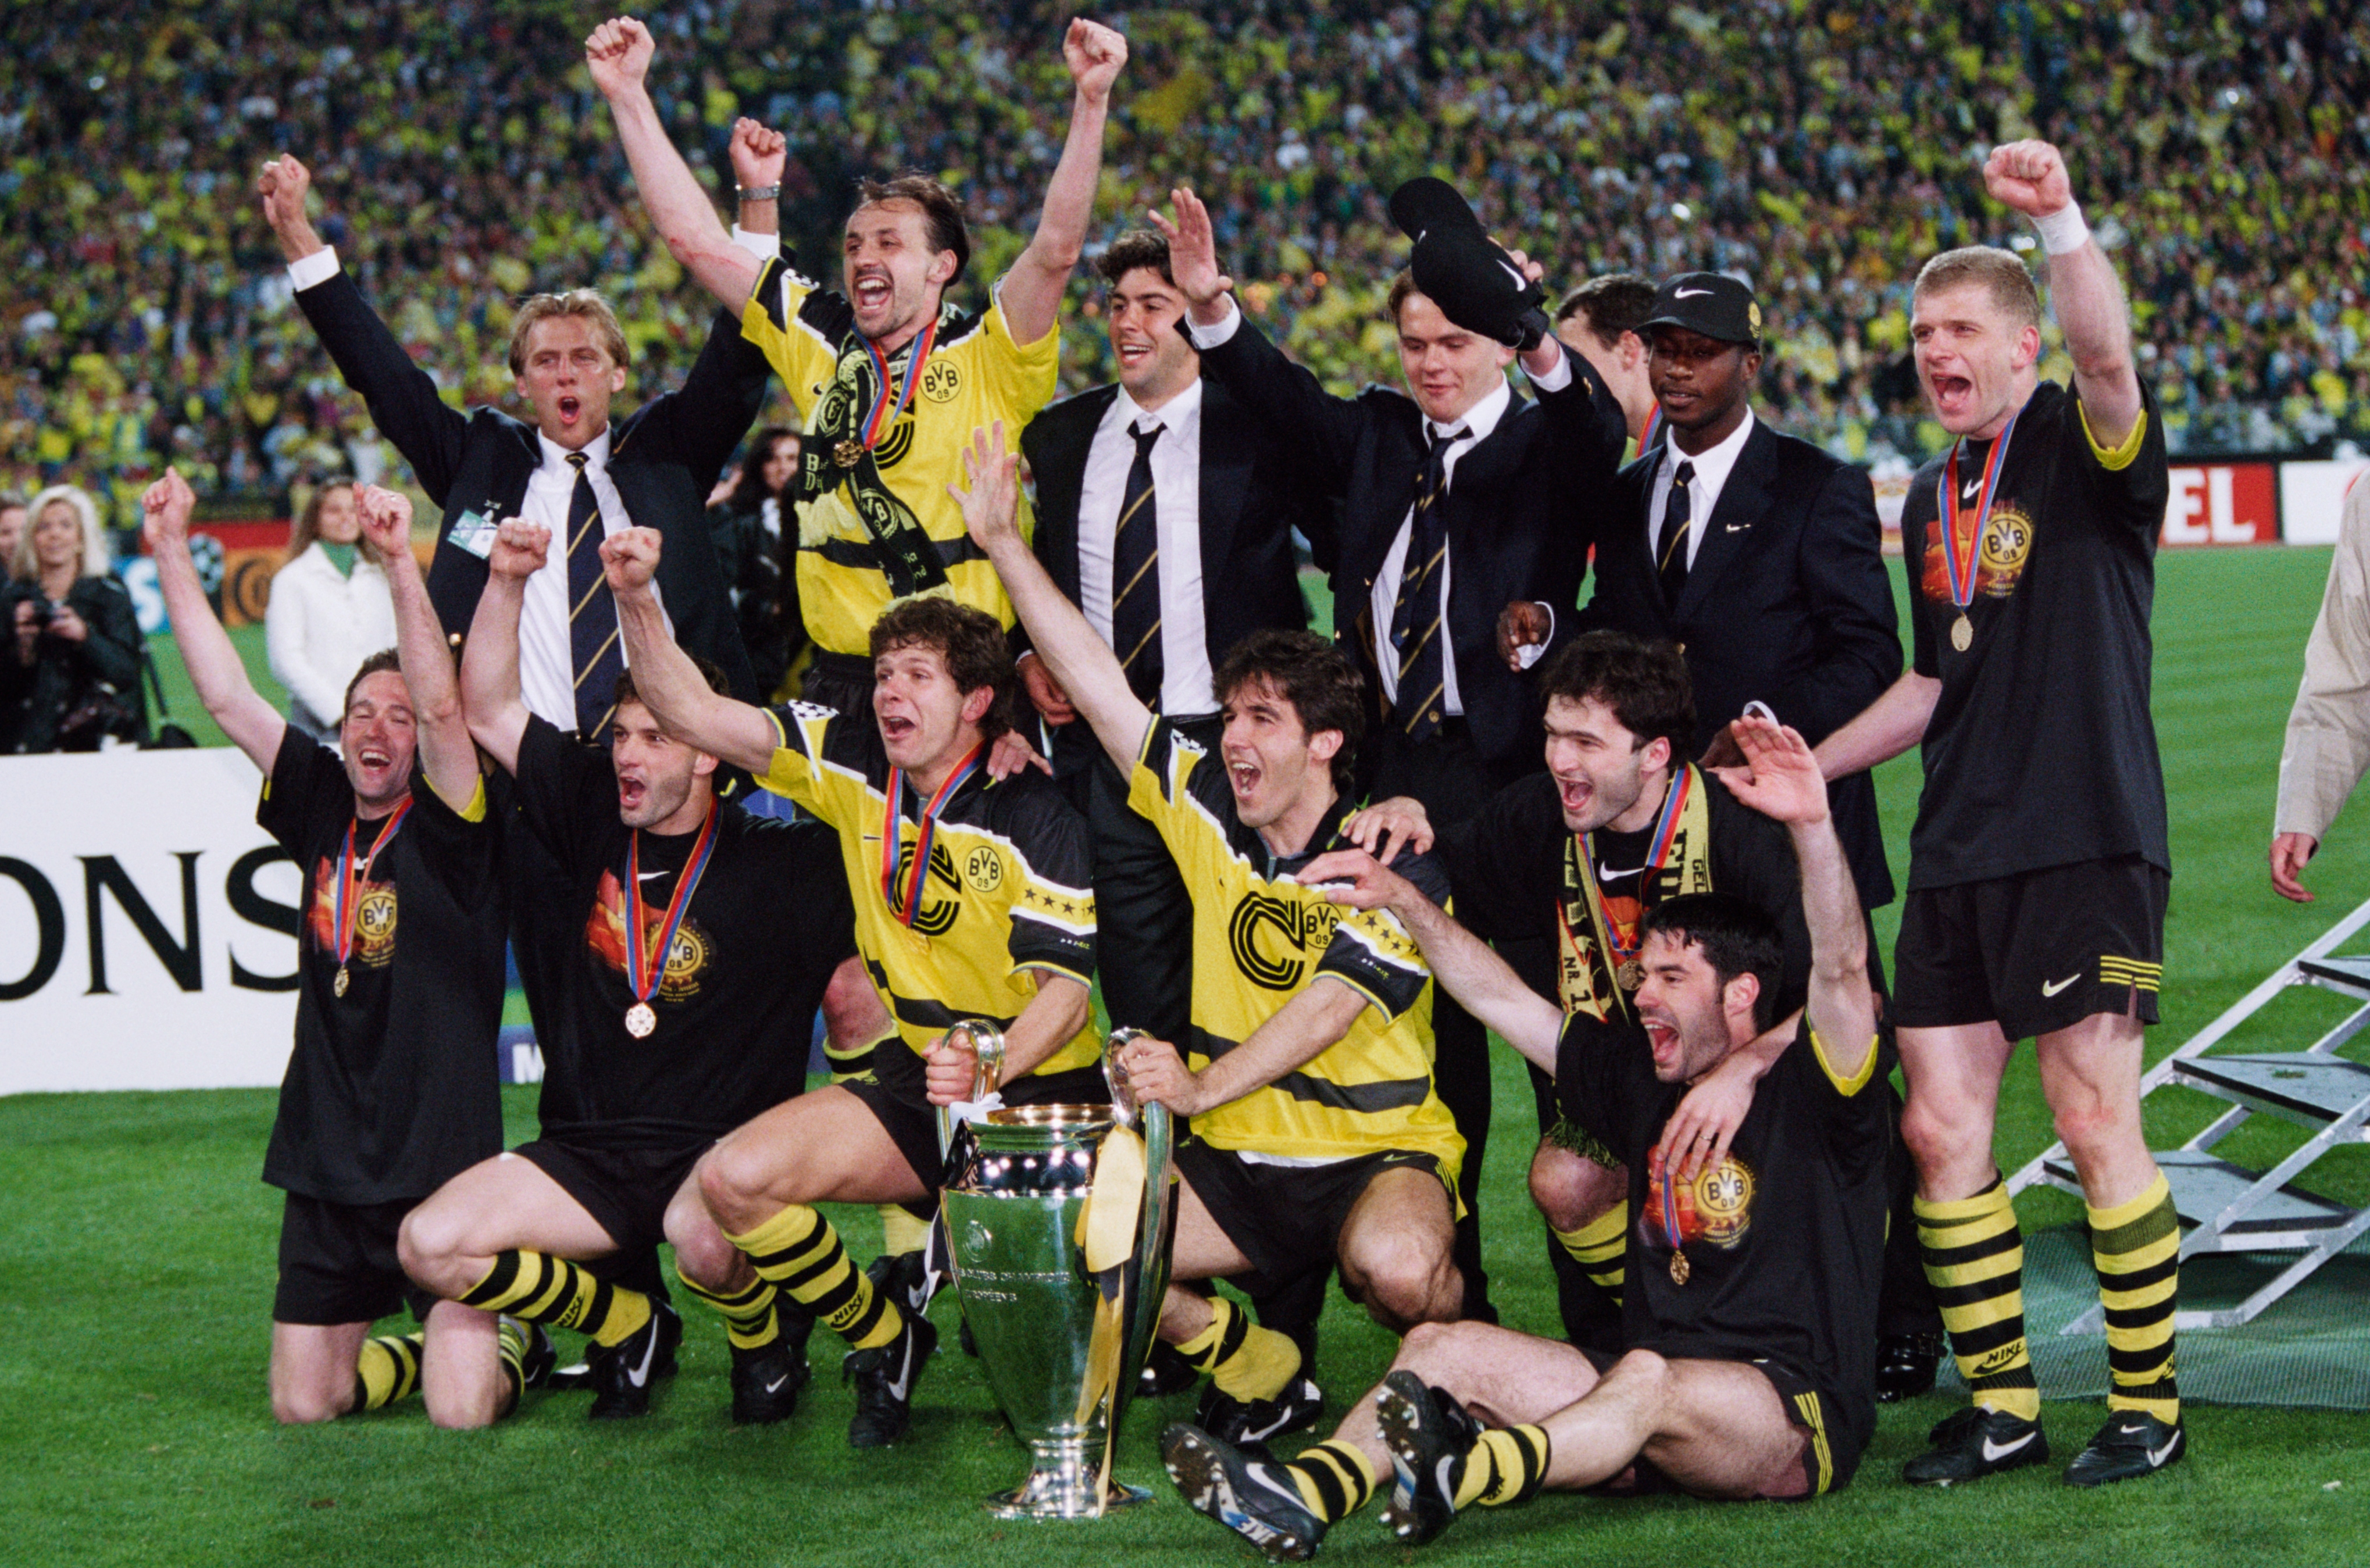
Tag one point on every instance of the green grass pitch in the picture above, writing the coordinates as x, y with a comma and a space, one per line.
136, 1265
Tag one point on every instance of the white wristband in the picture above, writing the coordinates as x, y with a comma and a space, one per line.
2063, 230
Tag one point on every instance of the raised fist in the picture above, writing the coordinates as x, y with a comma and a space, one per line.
164, 510
630, 556
758, 155
2030, 177
1094, 54
521, 549
386, 518
618, 55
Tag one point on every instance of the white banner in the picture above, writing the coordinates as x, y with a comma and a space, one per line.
147, 926
2312, 495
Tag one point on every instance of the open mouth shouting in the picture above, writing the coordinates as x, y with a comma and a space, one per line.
1134, 352
1575, 794
1244, 774
1663, 1039
1953, 396
898, 730
633, 792
872, 292
571, 409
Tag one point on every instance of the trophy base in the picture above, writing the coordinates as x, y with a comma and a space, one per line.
1051, 1495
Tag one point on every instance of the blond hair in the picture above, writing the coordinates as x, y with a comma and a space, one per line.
585, 304
95, 558
2002, 275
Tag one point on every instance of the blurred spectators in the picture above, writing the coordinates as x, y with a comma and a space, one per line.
1822, 151
745, 513
331, 609
70, 677
12, 528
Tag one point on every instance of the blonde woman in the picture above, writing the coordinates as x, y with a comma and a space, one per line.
331, 609
70, 680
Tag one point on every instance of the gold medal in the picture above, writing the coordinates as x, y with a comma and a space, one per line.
1679, 1270
1630, 975
338, 987
849, 453
1963, 633
641, 1019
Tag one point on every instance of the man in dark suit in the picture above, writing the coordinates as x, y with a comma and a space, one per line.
1166, 513
570, 468
1760, 556
1453, 497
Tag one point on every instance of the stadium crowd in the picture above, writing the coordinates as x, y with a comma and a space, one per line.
146, 326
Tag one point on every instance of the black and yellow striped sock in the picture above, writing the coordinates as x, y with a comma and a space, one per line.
1245, 1360
1334, 1480
799, 1252
1974, 1260
1601, 1248
1506, 1464
387, 1371
510, 1338
545, 1289
750, 1322
2136, 1248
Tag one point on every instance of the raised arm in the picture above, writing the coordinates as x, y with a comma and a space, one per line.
1081, 664
253, 725
678, 695
2083, 290
490, 659
1031, 291
446, 752
1461, 962
1780, 779
618, 56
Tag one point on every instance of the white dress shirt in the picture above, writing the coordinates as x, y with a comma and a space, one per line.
1480, 419
318, 626
1712, 467
1185, 675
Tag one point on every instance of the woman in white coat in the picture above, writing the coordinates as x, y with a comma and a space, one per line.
330, 611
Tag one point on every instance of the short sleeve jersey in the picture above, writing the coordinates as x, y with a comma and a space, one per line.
1784, 1238
1259, 938
1505, 865
1009, 894
974, 376
738, 986
392, 1087
2041, 749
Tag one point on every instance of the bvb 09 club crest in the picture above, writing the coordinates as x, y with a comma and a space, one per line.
2008, 542
374, 926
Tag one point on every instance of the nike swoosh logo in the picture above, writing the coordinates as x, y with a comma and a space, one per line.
1513, 272
1689, 294
1974, 489
1606, 873
2158, 1456
641, 1374
1995, 1452
2049, 990
1737, 528
648, 875
777, 1383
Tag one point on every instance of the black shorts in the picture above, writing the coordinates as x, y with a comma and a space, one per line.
338, 1264
1286, 1218
897, 1094
626, 1190
2037, 951
1830, 1457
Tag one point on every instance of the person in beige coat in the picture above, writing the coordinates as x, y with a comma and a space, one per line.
2327, 744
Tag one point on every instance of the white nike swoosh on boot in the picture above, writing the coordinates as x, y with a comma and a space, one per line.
1995, 1452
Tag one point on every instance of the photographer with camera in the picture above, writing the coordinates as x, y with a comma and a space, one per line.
71, 680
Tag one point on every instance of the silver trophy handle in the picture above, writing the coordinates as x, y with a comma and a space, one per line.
987, 1076
1122, 1092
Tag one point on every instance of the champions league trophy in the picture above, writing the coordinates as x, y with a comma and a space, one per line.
1058, 1222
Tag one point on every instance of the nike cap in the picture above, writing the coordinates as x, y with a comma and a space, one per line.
1463, 270
1710, 302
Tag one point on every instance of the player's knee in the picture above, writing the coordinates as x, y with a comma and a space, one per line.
851, 1008
429, 1238
733, 1179
1642, 1369
1934, 1137
2087, 1119
469, 1410
1570, 1190
1404, 1281
1430, 1346
701, 1253
303, 1404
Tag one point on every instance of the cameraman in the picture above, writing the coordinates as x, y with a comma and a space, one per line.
70, 681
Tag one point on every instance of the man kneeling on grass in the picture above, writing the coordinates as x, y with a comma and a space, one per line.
1751, 1313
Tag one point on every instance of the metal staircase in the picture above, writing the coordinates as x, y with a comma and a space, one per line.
2225, 1207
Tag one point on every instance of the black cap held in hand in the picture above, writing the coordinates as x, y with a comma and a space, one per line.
1710, 302
1468, 276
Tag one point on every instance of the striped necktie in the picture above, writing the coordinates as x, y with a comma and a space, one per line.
595, 656
1678, 522
1415, 617
1136, 574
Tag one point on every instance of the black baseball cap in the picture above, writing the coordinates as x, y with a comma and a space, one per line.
1463, 270
1710, 302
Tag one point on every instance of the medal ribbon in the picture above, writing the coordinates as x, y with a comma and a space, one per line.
1653, 427
1665, 831
892, 833
1959, 561
1671, 1207
348, 907
644, 967
880, 416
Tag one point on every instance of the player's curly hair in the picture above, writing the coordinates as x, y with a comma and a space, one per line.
1136, 247
1324, 688
1737, 937
1645, 683
972, 642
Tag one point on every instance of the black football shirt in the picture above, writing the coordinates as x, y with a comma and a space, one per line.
2041, 749
392, 1087
768, 923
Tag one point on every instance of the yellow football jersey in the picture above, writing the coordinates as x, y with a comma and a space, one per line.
880, 526
1010, 889
1258, 939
